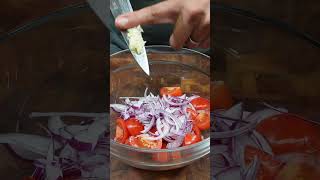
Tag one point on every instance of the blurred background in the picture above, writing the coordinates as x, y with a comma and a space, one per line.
255, 54
53, 59
303, 15
269, 51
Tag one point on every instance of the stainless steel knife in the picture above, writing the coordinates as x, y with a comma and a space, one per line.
117, 8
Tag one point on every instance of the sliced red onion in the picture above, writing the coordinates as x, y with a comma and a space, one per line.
282, 110
72, 172
149, 126
235, 112
76, 129
176, 143
232, 173
245, 114
137, 104
145, 92
192, 97
252, 171
130, 97
218, 161
23, 153
173, 103
68, 152
169, 113
118, 107
55, 124
262, 142
236, 132
168, 139
169, 121
25, 144
53, 170
175, 120
218, 149
161, 133
262, 115
90, 136
66, 165
240, 142
159, 125
39, 174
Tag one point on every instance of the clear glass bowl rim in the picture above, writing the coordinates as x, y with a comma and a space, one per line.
163, 48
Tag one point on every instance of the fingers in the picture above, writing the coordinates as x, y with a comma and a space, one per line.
205, 44
164, 12
181, 33
185, 25
201, 32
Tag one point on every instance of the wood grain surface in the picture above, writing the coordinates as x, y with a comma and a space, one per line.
199, 170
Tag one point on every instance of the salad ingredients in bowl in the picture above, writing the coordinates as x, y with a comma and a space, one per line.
155, 129
166, 121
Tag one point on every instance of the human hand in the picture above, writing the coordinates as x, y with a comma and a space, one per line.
191, 19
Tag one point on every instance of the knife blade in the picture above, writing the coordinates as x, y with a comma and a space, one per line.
117, 8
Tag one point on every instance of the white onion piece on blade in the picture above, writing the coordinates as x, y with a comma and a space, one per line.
53, 169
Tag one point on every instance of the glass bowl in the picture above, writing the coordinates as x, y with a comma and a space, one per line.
273, 70
52, 64
185, 68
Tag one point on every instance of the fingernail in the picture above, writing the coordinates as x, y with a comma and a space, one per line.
172, 42
122, 21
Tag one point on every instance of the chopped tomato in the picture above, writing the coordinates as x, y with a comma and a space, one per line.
160, 157
193, 137
193, 113
201, 103
140, 141
153, 130
302, 136
304, 168
172, 91
132, 141
220, 96
121, 131
269, 167
134, 126
127, 142
202, 121
164, 145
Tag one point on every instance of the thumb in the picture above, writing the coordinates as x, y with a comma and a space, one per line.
163, 12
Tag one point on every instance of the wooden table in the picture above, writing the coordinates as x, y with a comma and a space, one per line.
199, 170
